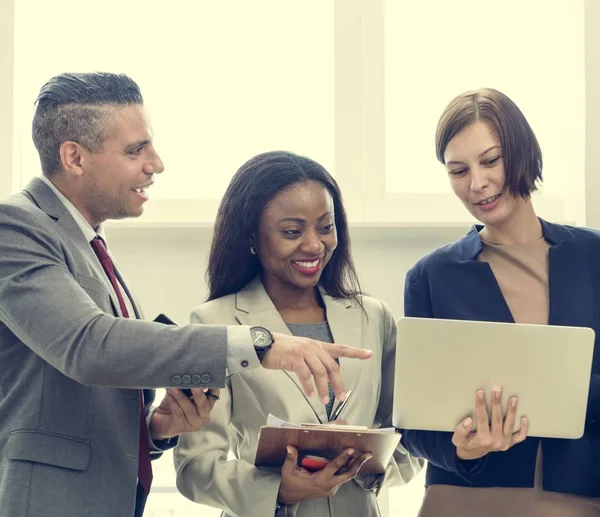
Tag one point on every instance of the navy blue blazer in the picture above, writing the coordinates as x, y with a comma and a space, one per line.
451, 284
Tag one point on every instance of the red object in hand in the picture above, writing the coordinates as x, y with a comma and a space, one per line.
313, 463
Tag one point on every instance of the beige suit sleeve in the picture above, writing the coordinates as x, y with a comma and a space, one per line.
402, 467
205, 472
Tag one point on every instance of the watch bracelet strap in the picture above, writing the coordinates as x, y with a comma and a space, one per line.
261, 352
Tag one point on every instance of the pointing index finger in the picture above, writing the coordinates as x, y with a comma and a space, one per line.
335, 350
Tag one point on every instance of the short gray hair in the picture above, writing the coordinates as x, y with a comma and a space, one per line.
74, 107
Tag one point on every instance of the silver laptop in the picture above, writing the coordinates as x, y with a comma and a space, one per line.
441, 363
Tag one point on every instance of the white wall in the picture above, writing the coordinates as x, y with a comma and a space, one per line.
592, 75
427, 65
7, 60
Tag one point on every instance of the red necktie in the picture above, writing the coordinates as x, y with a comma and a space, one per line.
144, 465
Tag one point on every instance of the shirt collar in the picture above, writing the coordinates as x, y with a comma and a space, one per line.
470, 245
81, 221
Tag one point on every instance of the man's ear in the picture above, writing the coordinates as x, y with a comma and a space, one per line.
71, 157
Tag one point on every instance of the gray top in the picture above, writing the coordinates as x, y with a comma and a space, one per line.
320, 332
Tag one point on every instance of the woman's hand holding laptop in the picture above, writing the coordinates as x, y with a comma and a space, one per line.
495, 434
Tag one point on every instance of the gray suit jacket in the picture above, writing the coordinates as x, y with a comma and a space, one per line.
69, 408
204, 473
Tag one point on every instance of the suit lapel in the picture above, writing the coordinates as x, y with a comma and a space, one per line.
486, 294
569, 278
346, 325
254, 307
134, 303
47, 201
570, 284
571, 293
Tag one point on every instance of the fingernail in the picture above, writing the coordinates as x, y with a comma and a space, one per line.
498, 393
289, 451
325, 399
524, 420
513, 402
364, 461
350, 452
480, 394
467, 422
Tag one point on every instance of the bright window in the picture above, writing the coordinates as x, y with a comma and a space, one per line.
533, 51
222, 81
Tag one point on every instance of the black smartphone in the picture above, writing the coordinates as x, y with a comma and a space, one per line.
165, 320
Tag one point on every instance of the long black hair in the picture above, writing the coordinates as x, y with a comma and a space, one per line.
231, 266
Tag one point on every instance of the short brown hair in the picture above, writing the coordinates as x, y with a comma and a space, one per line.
520, 149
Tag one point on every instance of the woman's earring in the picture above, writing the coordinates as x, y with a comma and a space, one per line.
252, 250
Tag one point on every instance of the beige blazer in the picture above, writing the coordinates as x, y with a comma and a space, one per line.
205, 472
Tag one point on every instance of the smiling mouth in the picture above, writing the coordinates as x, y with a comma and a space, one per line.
307, 264
488, 200
142, 190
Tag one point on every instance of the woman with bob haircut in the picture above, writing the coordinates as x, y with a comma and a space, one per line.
280, 257
514, 267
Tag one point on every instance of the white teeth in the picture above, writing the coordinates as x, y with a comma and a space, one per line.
308, 264
489, 200
139, 190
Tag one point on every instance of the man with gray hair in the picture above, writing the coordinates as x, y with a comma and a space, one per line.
77, 430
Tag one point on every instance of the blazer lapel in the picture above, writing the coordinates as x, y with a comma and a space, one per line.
486, 294
346, 324
570, 283
570, 286
254, 307
47, 201
134, 303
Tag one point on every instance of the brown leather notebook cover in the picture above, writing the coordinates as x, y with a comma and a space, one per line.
327, 442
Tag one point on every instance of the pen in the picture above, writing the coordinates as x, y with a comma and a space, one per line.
336, 412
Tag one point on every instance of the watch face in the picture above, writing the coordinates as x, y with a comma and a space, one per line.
260, 337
